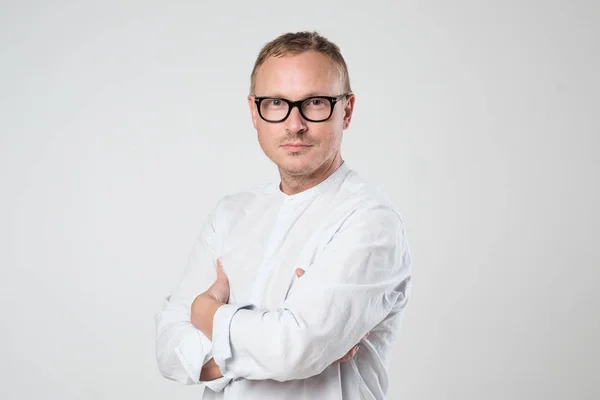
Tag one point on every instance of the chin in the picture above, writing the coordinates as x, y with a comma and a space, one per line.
295, 167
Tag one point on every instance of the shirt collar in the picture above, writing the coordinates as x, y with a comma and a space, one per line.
329, 182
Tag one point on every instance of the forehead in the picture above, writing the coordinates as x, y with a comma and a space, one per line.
295, 77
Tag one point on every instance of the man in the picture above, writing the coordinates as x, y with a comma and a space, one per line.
286, 279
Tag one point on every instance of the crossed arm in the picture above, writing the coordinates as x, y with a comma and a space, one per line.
220, 289
352, 286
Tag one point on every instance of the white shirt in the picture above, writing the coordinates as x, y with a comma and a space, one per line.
280, 335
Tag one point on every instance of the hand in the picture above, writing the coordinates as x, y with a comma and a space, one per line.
219, 290
206, 304
352, 352
210, 371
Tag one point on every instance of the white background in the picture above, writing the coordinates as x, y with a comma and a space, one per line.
123, 122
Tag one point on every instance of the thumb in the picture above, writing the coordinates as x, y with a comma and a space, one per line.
299, 272
220, 271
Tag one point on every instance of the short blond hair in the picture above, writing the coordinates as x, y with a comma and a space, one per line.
299, 42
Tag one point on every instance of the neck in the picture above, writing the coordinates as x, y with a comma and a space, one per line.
293, 184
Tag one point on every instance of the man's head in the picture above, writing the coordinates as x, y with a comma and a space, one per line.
302, 67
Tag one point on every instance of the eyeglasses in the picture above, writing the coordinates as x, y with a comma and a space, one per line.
313, 109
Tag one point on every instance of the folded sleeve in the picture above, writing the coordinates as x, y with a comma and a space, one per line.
361, 275
181, 349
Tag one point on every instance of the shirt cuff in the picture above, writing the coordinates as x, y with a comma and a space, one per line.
217, 385
221, 338
192, 361
193, 354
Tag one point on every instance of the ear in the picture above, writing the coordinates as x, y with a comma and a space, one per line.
253, 111
348, 110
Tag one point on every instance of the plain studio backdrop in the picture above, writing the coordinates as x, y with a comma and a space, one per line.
122, 123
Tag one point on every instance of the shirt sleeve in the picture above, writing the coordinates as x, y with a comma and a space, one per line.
182, 349
362, 274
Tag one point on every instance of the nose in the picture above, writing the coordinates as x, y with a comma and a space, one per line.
294, 122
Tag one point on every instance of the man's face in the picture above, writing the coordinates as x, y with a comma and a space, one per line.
297, 146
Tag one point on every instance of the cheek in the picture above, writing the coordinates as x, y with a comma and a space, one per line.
326, 137
267, 137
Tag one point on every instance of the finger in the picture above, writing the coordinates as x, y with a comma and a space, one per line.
299, 272
343, 359
349, 355
220, 271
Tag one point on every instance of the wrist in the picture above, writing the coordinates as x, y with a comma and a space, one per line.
203, 312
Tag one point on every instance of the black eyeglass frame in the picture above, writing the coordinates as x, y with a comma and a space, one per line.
333, 100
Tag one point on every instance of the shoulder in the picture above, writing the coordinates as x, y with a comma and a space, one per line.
234, 205
370, 218
367, 201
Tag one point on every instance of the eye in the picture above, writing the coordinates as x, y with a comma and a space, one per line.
273, 103
316, 103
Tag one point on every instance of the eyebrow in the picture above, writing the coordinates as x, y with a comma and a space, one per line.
280, 96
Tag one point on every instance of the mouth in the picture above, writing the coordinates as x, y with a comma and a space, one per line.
295, 146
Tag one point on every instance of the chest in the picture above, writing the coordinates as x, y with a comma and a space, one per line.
263, 248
